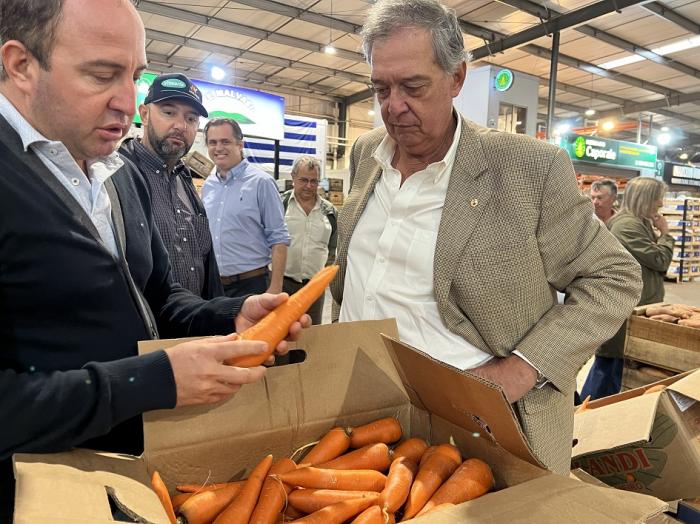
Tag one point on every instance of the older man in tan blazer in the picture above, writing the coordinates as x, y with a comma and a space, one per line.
464, 234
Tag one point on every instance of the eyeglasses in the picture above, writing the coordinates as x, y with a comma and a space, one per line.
307, 181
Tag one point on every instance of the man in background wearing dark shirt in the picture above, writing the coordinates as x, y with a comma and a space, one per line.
170, 115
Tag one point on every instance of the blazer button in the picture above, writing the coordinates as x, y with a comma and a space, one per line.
474, 202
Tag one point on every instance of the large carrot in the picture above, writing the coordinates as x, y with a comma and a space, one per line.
372, 456
398, 484
196, 488
332, 445
436, 469
274, 326
310, 500
340, 512
386, 430
347, 479
470, 480
374, 515
273, 495
241, 507
412, 449
204, 507
162, 492
292, 513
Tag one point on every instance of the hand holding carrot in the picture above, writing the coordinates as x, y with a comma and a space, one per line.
200, 375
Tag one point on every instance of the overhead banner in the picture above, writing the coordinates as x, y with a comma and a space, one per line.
616, 153
259, 114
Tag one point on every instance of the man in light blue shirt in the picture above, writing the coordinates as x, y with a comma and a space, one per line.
246, 216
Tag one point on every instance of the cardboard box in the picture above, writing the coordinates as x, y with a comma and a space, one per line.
661, 344
336, 197
644, 443
199, 163
335, 184
351, 375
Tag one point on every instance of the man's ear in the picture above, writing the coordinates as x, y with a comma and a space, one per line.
20, 65
143, 113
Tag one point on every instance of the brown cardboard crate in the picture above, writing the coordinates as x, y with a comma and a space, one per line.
335, 184
199, 163
336, 197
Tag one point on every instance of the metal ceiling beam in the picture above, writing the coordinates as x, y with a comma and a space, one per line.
240, 29
302, 14
234, 52
631, 107
358, 97
670, 15
542, 12
561, 105
554, 24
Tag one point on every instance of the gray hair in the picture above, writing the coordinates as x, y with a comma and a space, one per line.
606, 182
32, 22
641, 194
308, 162
386, 16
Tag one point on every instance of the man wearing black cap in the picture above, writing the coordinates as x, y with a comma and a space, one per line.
170, 115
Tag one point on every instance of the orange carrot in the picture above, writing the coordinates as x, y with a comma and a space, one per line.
426, 455
204, 507
584, 405
332, 445
273, 495
310, 500
196, 488
372, 456
159, 487
179, 500
435, 470
292, 513
386, 430
374, 515
241, 507
398, 484
348, 479
274, 326
470, 480
339, 512
412, 449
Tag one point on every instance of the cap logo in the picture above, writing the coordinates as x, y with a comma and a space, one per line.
194, 90
174, 83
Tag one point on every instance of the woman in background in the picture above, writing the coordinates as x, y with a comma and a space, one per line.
643, 231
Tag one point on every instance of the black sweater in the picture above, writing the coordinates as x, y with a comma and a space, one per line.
69, 326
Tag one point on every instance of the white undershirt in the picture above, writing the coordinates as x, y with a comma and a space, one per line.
390, 258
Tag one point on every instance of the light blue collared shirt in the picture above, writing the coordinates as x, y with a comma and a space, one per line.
246, 218
90, 192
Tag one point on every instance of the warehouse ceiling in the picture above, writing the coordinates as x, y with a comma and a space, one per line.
624, 58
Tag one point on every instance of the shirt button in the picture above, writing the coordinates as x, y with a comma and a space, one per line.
53, 152
191, 269
370, 299
157, 171
75, 181
177, 211
184, 239
218, 220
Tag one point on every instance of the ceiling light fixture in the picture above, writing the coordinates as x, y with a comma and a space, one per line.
608, 125
590, 112
663, 139
675, 47
683, 156
329, 49
217, 73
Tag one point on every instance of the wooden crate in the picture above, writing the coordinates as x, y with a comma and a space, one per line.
661, 344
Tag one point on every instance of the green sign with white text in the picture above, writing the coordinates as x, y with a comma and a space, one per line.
616, 153
504, 80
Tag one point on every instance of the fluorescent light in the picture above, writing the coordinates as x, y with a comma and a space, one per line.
590, 112
674, 47
217, 73
663, 139
664, 129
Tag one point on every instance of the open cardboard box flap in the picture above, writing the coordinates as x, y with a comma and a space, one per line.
462, 398
348, 378
628, 417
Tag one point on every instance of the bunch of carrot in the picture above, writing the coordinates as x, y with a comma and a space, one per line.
350, 475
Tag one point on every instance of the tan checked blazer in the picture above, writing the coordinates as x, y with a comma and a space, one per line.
514, 228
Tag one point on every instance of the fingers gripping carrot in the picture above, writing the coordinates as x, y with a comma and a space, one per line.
412, 449
273, 495
311, 477
274, 326
340, 512
435, 470
241, 507
162, 492
372, 456
398, 484
311, 500
386, 430
203, 507
470, 480
332, 445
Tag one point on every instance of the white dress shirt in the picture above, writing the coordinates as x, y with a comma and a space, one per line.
88, 190
390, 258
308, 251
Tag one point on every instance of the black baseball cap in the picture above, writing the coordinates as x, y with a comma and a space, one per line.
175, 86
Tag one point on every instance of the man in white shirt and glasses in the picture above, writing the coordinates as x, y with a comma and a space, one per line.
463, 234
312, 224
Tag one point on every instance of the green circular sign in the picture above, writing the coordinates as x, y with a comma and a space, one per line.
504, 80
580, 147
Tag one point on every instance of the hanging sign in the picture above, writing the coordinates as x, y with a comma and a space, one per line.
504, 80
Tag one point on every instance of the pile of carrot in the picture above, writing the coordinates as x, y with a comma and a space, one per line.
350, 475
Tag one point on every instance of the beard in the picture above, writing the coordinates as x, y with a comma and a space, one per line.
166, 150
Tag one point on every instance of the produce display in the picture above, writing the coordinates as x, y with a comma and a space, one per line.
349, 475
680, 314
